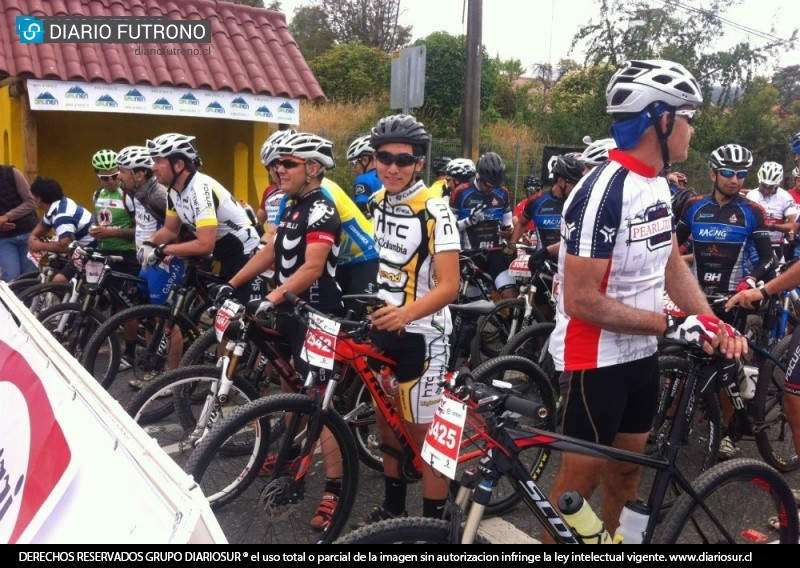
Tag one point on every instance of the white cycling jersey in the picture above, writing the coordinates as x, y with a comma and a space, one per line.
205, 203
779, 206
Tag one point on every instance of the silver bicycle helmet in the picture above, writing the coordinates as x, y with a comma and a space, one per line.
460, 169
268, 150
173, 144
359, 147
132, 157
308, 147
642, 82
770, 173
730, 156
597, 152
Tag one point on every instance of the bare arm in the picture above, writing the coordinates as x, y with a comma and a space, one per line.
305, 275
263, 259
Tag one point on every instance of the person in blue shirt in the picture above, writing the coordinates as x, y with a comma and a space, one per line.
361, 156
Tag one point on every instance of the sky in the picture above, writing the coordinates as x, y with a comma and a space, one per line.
540, 31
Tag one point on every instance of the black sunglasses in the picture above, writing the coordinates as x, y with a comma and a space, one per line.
402, 160
106, 177
288, 163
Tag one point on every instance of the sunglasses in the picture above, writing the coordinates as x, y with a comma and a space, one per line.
728, 173
106, 177
688, 114
402, 160
288, 163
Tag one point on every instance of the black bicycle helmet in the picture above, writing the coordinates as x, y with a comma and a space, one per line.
568, 167
439, 164
532, 185
403, 129
730, 156
491, 169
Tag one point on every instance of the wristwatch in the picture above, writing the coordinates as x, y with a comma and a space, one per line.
764, 292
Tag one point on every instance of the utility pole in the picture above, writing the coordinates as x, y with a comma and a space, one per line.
472, 87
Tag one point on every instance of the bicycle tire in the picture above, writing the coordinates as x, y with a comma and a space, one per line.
773, 434
266, 511
492, 330
172, 420
363, 425
721, 490
72, 337
40, 297
203, 351
408, 530
700, 446
22, 283
105, 366
531, 383
531, 343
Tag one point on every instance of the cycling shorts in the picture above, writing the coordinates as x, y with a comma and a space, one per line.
599, 403
421, 366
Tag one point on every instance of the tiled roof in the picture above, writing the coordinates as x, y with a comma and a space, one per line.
252, 49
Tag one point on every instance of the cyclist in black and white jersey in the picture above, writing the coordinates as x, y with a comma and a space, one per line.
202, 205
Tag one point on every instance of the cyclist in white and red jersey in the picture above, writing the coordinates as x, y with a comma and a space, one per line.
617, 256
778, 203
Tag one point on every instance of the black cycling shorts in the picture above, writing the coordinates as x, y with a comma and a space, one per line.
599, 403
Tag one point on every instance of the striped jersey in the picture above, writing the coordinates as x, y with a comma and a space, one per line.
68, 219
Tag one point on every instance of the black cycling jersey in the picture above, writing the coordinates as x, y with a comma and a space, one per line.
544, 209
304, 221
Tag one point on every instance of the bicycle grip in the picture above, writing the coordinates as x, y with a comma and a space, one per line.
527, 408
291, 297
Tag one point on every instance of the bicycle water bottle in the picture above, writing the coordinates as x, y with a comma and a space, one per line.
583, 520
389, 382
632, 523
748, 377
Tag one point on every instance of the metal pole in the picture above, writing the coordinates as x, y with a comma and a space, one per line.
472, 86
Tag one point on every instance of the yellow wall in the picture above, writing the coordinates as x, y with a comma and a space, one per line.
11, 147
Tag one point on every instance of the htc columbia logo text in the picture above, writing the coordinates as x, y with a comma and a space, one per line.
77, 29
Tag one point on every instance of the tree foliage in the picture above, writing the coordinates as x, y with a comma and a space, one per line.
787, 81
352, 72
445, 70
374, 23
312, 39
634, 30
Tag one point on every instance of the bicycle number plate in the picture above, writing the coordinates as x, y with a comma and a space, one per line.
320, 344
93, 271
443, 440
519, 266
224, 316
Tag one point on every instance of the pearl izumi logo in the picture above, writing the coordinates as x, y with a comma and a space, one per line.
77, 29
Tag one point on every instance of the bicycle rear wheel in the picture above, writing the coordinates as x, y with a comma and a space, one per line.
410, 530
529, 382
169, 409
773, 434
717, 516
276, 507
494, 330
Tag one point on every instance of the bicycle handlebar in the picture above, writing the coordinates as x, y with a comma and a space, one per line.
303, 306
497, 400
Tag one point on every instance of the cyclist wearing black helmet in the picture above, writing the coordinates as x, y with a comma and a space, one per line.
439, 169
483, 210
418, 244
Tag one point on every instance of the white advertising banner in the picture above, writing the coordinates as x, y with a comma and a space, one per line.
170, 101
74, 467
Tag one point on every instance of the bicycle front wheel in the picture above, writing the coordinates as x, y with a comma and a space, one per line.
529, 382
773, 433
494, 330
171, 408
410, 530
277, 504
71, 325
717, 516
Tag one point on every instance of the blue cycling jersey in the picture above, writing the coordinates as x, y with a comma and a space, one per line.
365, 185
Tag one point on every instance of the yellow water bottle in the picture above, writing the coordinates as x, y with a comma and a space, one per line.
583, 520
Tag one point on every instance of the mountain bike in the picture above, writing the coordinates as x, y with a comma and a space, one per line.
703, 514
277, 507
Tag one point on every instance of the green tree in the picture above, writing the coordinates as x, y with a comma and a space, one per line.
371, 22
633, 30
787, 81
445, 69
352, 71
312, 38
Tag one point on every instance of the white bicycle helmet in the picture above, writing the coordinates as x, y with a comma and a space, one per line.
642, 82
730, 156
104, 160
597, 152
269, 152
460, 169
132, 157
172, 144
796, 173
770, 173
359, 147
308, 147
